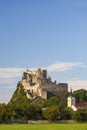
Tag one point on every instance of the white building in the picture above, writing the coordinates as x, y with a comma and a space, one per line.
71, 103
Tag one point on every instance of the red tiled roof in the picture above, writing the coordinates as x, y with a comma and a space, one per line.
81, 105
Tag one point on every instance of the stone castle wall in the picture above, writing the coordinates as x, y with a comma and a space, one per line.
37, 83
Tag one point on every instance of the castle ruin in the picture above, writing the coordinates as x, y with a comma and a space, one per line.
37, 83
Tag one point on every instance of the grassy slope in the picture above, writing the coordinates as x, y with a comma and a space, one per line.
45, 127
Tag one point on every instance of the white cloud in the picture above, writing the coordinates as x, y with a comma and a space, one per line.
60, 66
63, 66
6, 94
11, 72
77, 84
4, 97
8, 81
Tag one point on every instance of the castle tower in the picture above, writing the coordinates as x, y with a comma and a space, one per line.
45, 74
39, 73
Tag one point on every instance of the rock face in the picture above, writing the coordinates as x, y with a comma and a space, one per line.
37, 83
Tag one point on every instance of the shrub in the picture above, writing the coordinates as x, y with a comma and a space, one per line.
52, 113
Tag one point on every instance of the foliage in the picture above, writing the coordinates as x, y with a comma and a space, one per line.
19, 97
19, 107
5, 113
52, 113
33, 112
52, 101
80, 95
53, 109
81, 115
66, 114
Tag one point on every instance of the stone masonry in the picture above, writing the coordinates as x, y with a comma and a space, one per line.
37, 83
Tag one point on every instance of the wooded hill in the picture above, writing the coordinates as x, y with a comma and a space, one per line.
21, 109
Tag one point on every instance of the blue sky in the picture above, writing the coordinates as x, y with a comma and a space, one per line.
50, 34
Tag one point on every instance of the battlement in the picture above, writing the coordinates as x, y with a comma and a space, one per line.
35, 75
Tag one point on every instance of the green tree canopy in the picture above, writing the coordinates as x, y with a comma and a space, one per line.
52, 113
80, 95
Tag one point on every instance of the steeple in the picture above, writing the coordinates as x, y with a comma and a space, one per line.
71, 94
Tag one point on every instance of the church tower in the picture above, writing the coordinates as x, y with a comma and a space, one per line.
70, 100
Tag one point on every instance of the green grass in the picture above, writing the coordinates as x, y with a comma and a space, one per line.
45, 127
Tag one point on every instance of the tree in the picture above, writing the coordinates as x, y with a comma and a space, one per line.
80, 95
52, 113
52, 101
80, 115
66, 114
5, 113
33, 112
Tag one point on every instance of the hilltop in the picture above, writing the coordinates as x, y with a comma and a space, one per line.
37, 85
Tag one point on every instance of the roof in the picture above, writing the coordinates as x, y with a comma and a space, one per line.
81, 105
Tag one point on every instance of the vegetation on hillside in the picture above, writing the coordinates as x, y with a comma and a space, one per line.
20, 108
